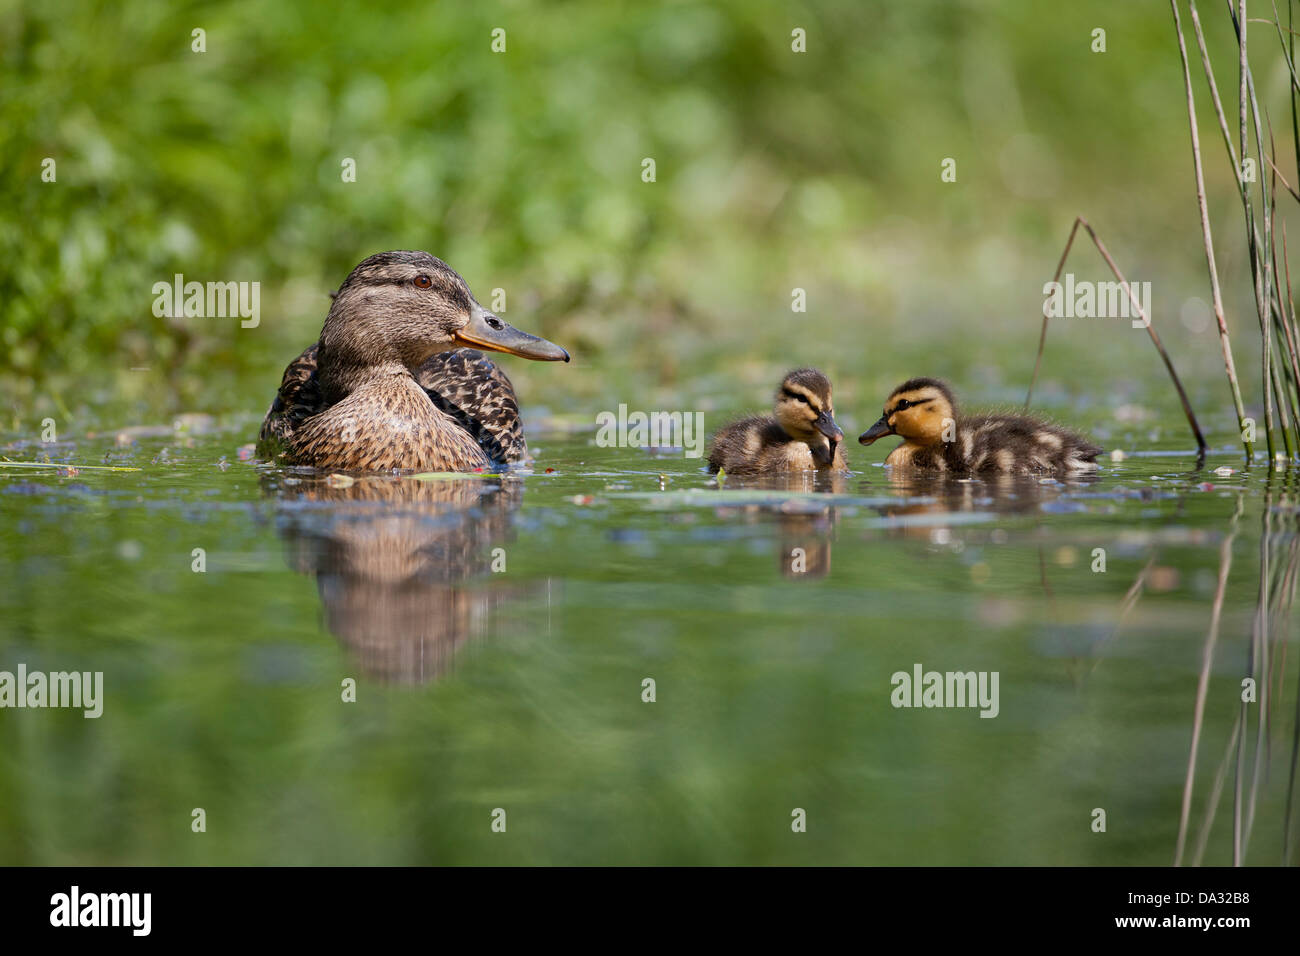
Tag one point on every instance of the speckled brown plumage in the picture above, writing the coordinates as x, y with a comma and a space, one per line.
465, 386
472, 389
387, 386
759, 445
936, 438
800, 435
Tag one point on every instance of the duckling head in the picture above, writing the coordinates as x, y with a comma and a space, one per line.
805, 412
919, 410
396, 309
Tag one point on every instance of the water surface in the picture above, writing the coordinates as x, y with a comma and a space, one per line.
499, 630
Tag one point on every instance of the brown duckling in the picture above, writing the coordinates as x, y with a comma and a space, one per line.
923, 412
395, 383
800, 435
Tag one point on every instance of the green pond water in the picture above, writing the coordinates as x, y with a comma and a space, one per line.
499, 631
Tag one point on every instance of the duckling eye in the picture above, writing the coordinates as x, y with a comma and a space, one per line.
903, 403
423, 282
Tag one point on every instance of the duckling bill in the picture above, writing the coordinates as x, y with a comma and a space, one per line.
396, 380
923, 412
800, 435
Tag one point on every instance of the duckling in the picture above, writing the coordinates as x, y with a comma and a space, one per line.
935, 438
396, 383
800, 435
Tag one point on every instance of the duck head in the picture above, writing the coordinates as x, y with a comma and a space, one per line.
396, 309
805, 412
917, 410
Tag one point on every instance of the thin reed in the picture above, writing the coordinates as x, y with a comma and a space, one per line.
1266, 245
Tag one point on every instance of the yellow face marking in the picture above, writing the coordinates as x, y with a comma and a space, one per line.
912, 398
795, 389
918, 415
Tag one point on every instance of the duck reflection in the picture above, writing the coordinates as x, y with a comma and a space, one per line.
394, 559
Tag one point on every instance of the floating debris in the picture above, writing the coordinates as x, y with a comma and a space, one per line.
6, 463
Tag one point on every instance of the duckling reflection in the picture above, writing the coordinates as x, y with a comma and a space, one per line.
392, 556
926, 499
804, 549
805, 525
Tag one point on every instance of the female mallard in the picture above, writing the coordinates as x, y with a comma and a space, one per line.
935, 438
799, 436
390, 384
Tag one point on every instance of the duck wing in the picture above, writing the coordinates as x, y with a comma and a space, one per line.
470, 388
298, 398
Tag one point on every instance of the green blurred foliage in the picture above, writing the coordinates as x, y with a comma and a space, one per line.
523, 169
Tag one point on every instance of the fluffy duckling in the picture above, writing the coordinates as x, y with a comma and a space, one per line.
923, 412
800, 435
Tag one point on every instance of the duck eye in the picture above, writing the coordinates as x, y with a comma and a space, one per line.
494, 322
423, 282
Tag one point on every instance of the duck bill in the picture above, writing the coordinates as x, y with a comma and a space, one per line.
879, 430
487, 332
826, 425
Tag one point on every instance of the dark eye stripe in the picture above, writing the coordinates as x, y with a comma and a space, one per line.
795, 395
906, 404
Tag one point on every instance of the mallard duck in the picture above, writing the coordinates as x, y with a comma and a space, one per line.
395, 382
923, 412
800, 435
